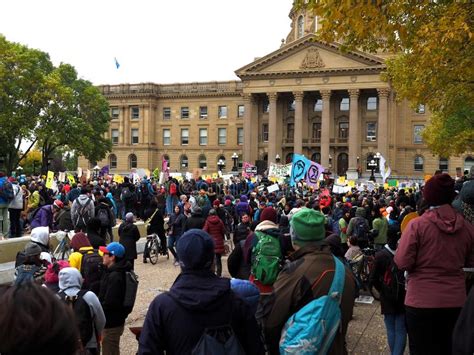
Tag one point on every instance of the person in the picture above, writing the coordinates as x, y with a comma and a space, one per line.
48, 321
40, 237
198, 299
80, 245
129, 236
175, 225
390, 283
343, 223
354, 250
32, 268
104, 212
243, 229
63, 219
82, 210
379, 224
91, 325
433, 250
465, 201
216, 229
463, 334
112, 294
45, 216
196, 220
156, 224
93, 233
247, 291
307, 276
4, 184
51, 276
359, 227
14, 208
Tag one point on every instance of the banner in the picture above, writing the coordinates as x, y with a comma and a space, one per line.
273, 188
118, 179
248, 170
305, 169
71, 179
62, 176
104, 171
279, 170
385, 171
156, 173
50, 179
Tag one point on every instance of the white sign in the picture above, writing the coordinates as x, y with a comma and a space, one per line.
273, 188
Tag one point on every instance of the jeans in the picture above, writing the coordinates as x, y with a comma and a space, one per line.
171, 201
218, 265
172, 241
430, 330
396, 332
111, 341
15, 226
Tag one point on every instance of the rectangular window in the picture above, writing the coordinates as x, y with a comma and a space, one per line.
203, 112
202, 136
240, 136
134, 135
266, 106
166, 137
222, 136
343, 130
344, 106
371, 132
318, 105
372, 103
115, 136
420, 109
444, 164
166, 113
135, 112
113, 162
417, 131
317, 130
240, 111
291, 106
184, 136
184, 112
265, 132
114, 112
222, 112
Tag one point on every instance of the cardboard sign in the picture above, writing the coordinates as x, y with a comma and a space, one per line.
50, 179
273, 188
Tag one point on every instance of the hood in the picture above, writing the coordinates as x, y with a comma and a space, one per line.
213, 219
200, 291
122, 265
243, 198
82, 199
360, 212
268, 226
70, 281
40, 235
446, 219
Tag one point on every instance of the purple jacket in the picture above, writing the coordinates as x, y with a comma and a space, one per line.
43, 218
242, 207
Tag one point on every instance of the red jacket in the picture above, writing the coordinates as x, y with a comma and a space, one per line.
433, 249
216, 229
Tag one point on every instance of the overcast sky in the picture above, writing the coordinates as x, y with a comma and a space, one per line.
153, 40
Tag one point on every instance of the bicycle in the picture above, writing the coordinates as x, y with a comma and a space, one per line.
63, 249
153, 248
362, 266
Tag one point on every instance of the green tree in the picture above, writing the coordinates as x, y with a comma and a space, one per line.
432, 56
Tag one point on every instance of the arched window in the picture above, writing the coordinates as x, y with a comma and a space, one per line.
132, 161
289, 158
418, 163
316, 157
443, 164
167, 158
113, 161
300, 26
468, 163
183, 162
202, 162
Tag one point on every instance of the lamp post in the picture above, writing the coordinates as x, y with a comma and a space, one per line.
220, 165
373, 164
235, 157
277, 158
96, 171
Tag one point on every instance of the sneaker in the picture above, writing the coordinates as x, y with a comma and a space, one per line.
144, 261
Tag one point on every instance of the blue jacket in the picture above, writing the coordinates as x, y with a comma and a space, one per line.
198, 299
3, 180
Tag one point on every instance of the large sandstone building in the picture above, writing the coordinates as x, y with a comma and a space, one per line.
306, 97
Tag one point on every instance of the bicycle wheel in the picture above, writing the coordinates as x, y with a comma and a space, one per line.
153, 251
66, 252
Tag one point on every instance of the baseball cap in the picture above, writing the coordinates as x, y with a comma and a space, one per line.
113, 248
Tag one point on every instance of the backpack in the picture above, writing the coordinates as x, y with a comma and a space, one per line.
311, 330
82, 214
360, 230
91, 271
266, 258
131, 288
26, 273
6, 191
393, 282
173, 189
144, 191
103, 216
126, 195
82, 314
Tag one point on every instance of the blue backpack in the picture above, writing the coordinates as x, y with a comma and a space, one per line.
312, 329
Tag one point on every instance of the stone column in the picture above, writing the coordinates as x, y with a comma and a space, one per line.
143, 132
126, 126
353, 130
382, 129
298, 138
122, 126
272, 126
249, 143
326, 96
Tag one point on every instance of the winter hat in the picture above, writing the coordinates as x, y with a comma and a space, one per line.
307, 225
467, 192
32, 249
212, 212
216, 203
268, 214
52, 272
80, 240
228, 202
58, 204
129, 217
439, 190
360, 212
196, 210
195, 250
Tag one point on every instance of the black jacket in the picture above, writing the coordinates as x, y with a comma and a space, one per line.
241, 232
157, 222
238, 266
196, 221
198, 299
129, 235
463, 335
64, 220
112, 293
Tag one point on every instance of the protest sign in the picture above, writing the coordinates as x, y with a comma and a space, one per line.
71, 179
49, 179
305, 169
279, 170
118, 179
273, 188
248, 170
62, 176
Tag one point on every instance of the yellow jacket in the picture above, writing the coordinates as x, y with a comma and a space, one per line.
34, 200
75, 259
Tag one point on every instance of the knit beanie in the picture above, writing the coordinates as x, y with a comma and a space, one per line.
439, 190
307, 225
268, 214
195, 250
80, 240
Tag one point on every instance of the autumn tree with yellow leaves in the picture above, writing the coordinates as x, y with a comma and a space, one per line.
432, 62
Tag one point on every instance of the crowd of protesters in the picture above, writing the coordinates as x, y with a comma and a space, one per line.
286, 250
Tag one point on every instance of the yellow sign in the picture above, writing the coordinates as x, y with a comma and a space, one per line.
341, 180
71, 179
215, 176
49, 180
385, 186
118, 179
351, 183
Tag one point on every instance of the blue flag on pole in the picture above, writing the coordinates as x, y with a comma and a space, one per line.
117, 63
305, 169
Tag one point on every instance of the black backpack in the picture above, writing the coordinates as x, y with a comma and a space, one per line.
361, 230
82, 315
126, 195
91, 271
393, 283
103, 216
131, 288
82, 214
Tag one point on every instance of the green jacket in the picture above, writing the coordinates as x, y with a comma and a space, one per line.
381, 225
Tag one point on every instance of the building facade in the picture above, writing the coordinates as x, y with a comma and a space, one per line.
307, 97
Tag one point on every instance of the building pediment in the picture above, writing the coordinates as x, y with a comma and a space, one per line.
308, 56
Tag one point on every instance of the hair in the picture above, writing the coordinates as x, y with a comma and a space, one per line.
34, 321
353, 240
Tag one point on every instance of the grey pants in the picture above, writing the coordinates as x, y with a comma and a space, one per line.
4, 221
111, 341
